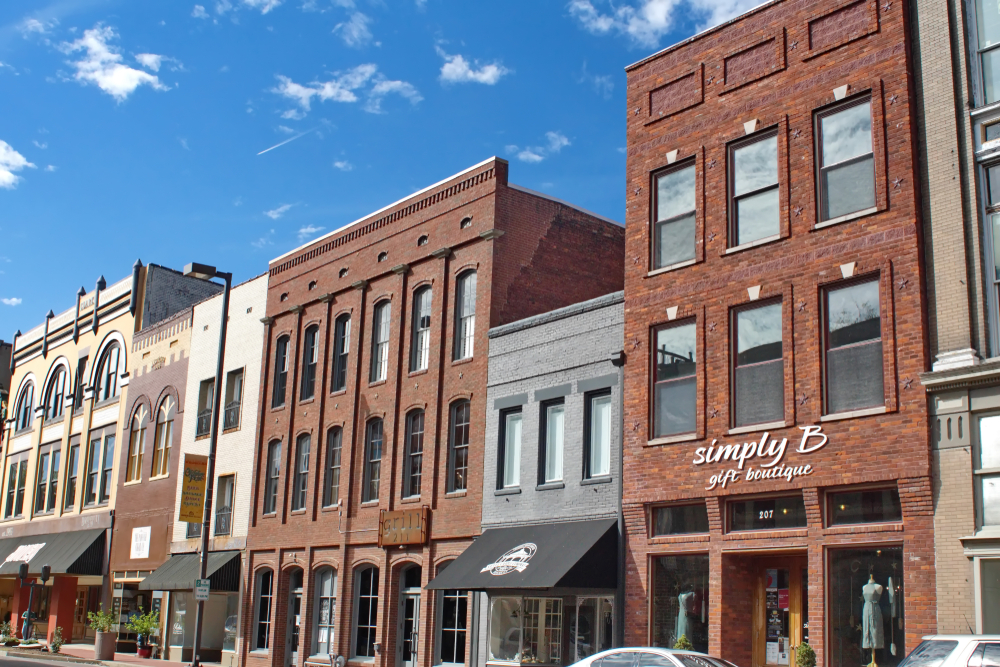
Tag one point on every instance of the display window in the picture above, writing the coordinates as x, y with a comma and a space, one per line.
680, 601
550, 630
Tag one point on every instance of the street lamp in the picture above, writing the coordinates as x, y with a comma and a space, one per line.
28, 629
206, 272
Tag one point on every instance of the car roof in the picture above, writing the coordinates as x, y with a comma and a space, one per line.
652, 649
978, 638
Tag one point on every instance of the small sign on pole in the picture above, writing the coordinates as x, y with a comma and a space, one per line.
201, 588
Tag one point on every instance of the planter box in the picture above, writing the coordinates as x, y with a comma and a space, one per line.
104, 645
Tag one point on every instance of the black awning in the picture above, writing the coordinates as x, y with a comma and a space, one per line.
77, 552
573, 554
181, 570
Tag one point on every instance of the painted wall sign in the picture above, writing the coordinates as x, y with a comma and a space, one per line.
140, 542
767, 454
193, 488
403, 527
515, 559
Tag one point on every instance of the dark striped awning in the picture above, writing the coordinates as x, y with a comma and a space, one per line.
181, 570
76, 552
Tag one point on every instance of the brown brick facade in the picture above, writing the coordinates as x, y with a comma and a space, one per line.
773, 69
531, 254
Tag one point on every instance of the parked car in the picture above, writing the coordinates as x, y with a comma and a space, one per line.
651, 656
955, 651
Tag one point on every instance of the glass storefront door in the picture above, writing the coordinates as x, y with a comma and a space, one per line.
408, 639
780, 596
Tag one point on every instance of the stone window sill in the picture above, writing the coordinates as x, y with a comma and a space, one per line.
511, 491
844, 218
672, 439
880, 410
603, 479
672, 267
753, 244
766, 426
549, 486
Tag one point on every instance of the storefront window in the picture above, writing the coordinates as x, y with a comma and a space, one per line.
767, 514
680, 600
182, 607
590, 626
505, 629
232, 621
866, 594
989, 578
539, 621
680, 520
875, 506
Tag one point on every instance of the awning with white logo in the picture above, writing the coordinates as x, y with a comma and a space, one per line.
76, 552
572, 554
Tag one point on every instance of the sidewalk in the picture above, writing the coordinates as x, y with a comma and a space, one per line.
78, 653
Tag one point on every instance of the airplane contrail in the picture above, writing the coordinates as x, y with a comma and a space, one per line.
286, 141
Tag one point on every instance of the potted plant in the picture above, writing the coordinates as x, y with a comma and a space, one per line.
683, 644
7, 637
101, 622
144, 625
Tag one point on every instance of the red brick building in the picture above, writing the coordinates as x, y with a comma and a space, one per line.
777, 478
374, 400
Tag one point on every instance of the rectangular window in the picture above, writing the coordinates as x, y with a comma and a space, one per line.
680, 601
465, 315
766, 513
380, 342
986, 471
853, 348
234, 399
107, 483
594, 619
753, 187
331, 485
458, 449
846, 160
413, 456
271, 477
452, 624
680, 519
71, 475
673, 231
16, 480
22, 481
310, 355
421, 330
206, 401
53, 479
597, 434
759, 369
552, 446
988, 21
675, 393
510, 449
341, 347
93, 471
224, 494
373, 461
526, 630
280, 372
264, 595
868, 573
46, 477
193, 530
81, 374
989, 581
366, 616
873, 506
300, 486
326, 606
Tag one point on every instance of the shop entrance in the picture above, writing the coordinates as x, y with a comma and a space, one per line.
292, 634
409, 617
780, 609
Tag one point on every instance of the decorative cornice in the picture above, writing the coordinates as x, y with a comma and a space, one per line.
296, 309
267, 320
327, 298
360, 284
441, 253
491, 234
401, 269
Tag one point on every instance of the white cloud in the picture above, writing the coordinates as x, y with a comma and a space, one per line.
293, 114
102, 66
199, 12
264, 241
456, 69
238, 201
649, 20
285, 129
51, 167
385, 87
33, 25
263, 5
13, 301
307, 231
344, 87
343, 165
223, 6
40, 145
11, 161
603, 84
184, 143
555, 142
354, 31
149, 61
276, 213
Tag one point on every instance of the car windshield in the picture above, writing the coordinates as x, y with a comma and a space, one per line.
930, 653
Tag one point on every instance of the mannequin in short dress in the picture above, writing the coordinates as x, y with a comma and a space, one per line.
872, 633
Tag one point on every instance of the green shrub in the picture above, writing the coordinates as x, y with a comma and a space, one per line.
684, 644
57, 640
805, 656
144, 624
101, 621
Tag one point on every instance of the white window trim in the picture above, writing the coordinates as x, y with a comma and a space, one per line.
256, 612
354, 614
317, 576
438, 627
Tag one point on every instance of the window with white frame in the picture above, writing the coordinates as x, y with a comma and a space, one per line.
452, 622
72, 470
17, 477
366, 611
107, 373
421, 330
164, 437
846, 159
553, 435
271, 475
373, 461
46, 477
55, 395
458, 445
380, 342
674, 209
509, 458
262, 613
300, 486
136, 445
853, 347
413, 454
986, 468
753, 186
526, 630
465, 315
988, 24
597, 434
331, 483
325, 599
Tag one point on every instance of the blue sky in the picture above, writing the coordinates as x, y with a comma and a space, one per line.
141, 129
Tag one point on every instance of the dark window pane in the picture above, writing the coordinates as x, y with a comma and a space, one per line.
760, 393
622, 659
680, 600
854, 378
680, 520
674, 241
767, 513
853, 314
757, 216
655, 660
846, 588
930, 653
848, 187
991, 75
991, 655
693, 660
875, 506
675, 351
676, 407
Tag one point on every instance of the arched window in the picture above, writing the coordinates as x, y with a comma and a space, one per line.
465, 315
373, 461
56, 393
136, 445
366, 611
458, 446
310, 356
271, 475
25, 407
331, 485
301, 484
264, 585
280, 372
380, 342
413, 454
108, 372
420, 344
164, 436
325, 597
341, 347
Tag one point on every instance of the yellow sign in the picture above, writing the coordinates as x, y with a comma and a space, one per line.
193, 488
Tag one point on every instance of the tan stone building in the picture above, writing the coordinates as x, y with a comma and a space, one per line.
62, 441
958, 133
